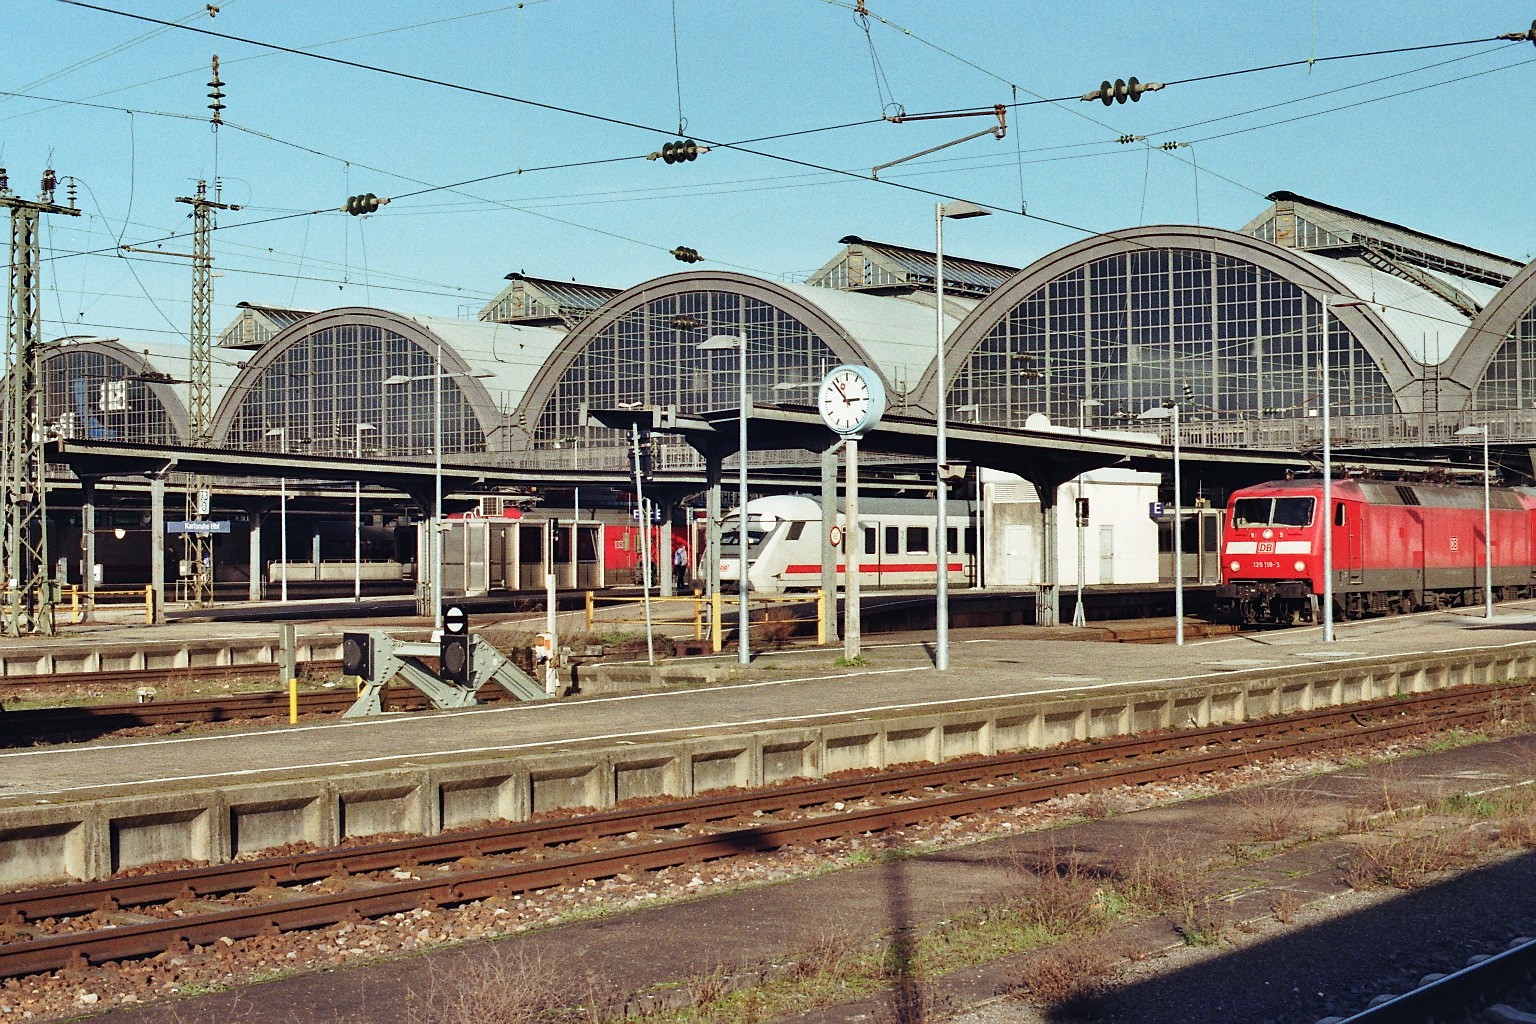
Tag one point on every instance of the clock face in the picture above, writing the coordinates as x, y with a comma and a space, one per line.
851, 399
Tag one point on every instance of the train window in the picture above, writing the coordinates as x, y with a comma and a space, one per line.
970, 540
1293, 512
1250, 512
795, 530
869, 540
893, 540
1338, 514
917, 539
1247, 512
954, 540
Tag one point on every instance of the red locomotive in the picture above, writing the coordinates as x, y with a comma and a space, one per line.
1397, 547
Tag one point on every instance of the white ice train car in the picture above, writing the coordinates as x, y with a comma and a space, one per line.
995, 544
896, 547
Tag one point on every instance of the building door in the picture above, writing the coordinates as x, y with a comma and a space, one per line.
1106, 554
1020, 557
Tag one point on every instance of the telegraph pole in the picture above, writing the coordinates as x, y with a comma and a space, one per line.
29, 589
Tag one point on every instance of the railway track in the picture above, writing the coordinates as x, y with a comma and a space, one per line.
34, 725
54, 927
1459, 994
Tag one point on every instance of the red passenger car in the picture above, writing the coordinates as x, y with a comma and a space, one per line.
1397, 547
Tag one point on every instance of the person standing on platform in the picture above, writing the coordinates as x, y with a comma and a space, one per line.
680, 568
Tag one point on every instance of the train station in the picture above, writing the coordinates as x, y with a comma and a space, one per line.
552, 568
345, 430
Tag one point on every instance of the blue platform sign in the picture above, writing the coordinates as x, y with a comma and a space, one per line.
197, 526
1156, 510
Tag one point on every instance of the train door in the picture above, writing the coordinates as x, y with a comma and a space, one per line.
1210, 544
890, 553
497, 545
869, 560
477, 546
1106, 554
589, 556
562, 555
1347, 540
531, 549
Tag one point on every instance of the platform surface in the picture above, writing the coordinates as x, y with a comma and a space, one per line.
778, 691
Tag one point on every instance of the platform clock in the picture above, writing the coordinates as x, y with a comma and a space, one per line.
851, 399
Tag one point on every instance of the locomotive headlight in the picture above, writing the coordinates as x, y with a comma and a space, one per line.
1301, 566
1234, 565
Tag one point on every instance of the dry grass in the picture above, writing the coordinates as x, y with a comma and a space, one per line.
1060, 894
1285, 906
1407, 863
777, 626
1163, 882
1066, 975
1098, 804
830, 958
1271, 814
506, 987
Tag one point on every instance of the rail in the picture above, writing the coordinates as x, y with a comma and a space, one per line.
697, 604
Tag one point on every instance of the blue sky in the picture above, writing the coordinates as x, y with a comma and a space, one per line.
1438, 139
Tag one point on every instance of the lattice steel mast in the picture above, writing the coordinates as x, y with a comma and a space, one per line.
29, 590
199, 545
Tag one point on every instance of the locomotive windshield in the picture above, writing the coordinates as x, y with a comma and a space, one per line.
730, 540
1248, 512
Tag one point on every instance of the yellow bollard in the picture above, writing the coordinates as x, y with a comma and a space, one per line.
589, 611
293, 701
698, 618
821, 618
149, 605
714, 627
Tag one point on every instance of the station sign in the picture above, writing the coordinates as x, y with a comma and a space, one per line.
1156, 510
197, 526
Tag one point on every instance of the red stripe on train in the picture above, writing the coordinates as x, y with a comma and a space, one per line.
878, 567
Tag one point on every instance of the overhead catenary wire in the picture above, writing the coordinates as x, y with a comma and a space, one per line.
740, 147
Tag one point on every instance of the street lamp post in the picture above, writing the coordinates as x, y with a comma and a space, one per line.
435, 540
957, 209
1078, 617
1327, 514
1171, 412
743, 613
1482, 428
357, 520
282, 535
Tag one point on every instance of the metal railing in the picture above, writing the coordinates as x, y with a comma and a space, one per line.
697, 604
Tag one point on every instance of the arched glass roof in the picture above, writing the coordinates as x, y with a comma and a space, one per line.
108, 389
368, 377
643, 346
1229, 325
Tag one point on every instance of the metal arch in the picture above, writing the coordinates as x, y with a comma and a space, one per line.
826, 327
1486, 334
473, 391
1396, 366
136, 364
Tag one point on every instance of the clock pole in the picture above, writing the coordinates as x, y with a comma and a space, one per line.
853, 547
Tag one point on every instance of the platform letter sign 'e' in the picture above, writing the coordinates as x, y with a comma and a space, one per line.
1156, 510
